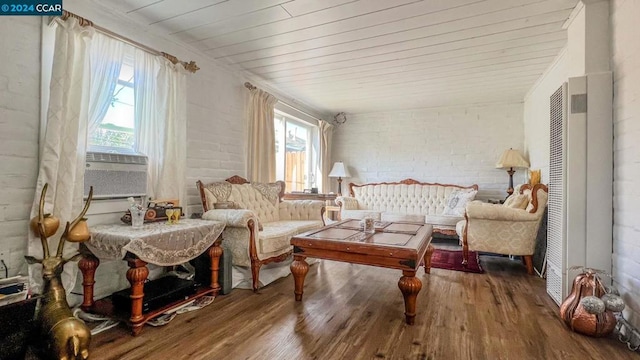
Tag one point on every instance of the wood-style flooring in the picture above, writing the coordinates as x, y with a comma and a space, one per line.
356, 312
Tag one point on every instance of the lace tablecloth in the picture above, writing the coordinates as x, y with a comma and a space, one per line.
155, 243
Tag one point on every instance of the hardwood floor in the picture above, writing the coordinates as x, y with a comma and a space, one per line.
356, 312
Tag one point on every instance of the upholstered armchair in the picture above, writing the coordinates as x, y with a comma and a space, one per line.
259, 225
509, 228
350, 209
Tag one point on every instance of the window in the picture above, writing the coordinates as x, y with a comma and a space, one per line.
116, 132
296, 152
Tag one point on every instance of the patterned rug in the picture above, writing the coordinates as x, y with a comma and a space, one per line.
452, 260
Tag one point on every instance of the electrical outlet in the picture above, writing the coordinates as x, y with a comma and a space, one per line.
4, 254
3, 269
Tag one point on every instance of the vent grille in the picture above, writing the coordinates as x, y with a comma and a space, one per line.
554, 283
116, 158
556, 224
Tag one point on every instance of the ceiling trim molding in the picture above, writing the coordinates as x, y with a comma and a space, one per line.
555, 61
572, 16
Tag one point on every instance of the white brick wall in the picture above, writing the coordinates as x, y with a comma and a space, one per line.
626, 171
215, 131
19, 124
536, 115
625, 64
447, 145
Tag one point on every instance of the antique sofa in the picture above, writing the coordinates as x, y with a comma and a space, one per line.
440, 205
509, 229
259, 225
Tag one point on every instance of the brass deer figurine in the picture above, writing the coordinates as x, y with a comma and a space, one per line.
65, 337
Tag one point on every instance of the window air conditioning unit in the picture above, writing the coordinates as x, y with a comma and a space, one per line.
115, 175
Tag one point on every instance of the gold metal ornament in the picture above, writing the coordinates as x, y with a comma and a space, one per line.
65, 337
79, 232
51, 225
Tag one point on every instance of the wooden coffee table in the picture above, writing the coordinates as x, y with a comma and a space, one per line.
396, 245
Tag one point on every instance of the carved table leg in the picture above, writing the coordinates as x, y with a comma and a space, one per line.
88, 265
465, 254
137, 274
299, 269
528, 261
215, 251
427, 259
410, 286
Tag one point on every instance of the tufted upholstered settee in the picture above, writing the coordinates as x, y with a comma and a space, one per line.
259, 225
406, 200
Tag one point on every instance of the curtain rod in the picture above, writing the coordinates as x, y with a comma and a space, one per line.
189, 66
252, 87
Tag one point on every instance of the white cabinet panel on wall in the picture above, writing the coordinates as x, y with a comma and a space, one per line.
580, 180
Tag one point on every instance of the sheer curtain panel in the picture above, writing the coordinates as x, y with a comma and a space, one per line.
63, 152
261, 144
326, 135
106, 60
161, 123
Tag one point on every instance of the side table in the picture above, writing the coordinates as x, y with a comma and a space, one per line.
155, 243
309, 196
333, 212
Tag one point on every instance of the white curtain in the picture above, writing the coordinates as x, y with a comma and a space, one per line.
161, 123
63, 156
106, 61
261, 144
326, 135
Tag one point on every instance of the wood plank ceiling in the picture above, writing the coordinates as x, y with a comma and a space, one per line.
371, 55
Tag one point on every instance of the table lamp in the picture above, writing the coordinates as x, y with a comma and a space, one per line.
339, 170
509, 160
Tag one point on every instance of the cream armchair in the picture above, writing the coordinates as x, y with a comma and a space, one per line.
259, 225
503, 229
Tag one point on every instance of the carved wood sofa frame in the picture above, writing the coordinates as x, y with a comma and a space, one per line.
256, 263
410, 181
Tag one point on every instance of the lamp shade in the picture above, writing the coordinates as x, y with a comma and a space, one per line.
511, 159
339, 170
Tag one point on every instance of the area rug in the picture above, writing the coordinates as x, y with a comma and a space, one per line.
452, 260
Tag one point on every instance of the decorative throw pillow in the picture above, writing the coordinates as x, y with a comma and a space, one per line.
457, 200
271, 191
517, 201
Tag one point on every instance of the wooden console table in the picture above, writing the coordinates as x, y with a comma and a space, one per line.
155, 243
331, 209
309, 196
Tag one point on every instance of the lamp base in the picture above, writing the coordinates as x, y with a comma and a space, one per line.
510, 189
